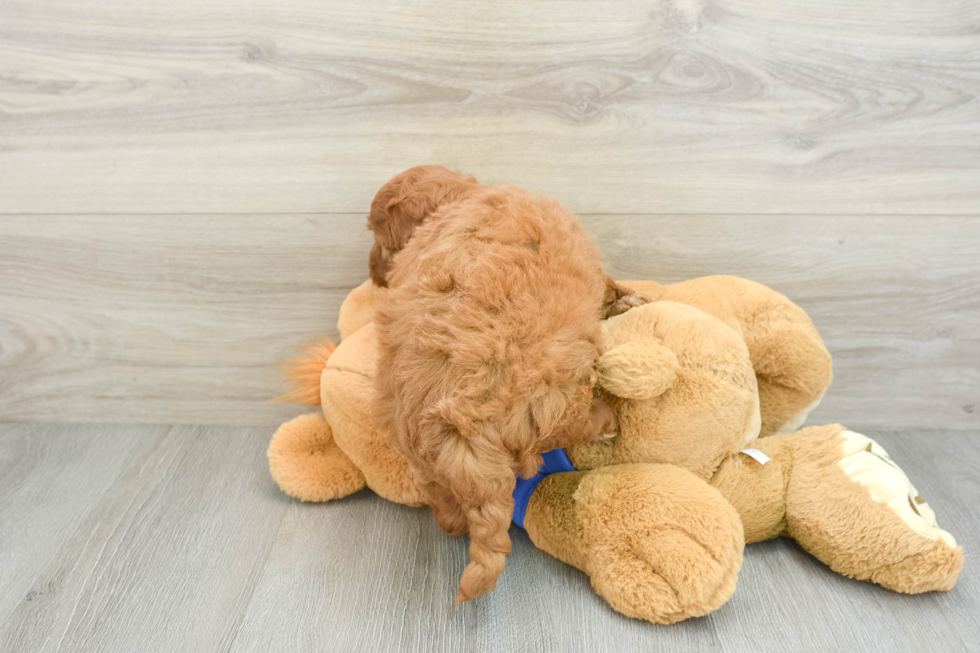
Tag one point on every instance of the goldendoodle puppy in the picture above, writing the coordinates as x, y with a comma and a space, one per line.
488, 336
411, 196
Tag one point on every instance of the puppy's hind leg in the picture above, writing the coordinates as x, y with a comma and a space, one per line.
600, 424
446, 509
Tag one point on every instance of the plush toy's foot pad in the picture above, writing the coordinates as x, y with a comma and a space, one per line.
852, 506
662, 544
866, 462
307, 464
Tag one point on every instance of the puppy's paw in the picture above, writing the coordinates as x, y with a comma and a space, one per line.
452, 525
605, 424
626, 302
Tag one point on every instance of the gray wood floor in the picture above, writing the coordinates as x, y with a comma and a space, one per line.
155, 538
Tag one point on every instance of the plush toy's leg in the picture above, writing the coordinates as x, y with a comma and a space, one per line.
658, 543
846, 502
307, 463
792, 366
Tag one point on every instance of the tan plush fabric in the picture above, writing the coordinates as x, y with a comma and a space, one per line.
658, 542
682, 385
851, 524
758, 492
845, 501
307, 463
346, 390
357, 309
791, 363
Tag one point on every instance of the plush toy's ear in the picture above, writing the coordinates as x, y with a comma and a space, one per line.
641, 369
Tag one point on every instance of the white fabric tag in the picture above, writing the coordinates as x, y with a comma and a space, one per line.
760, 457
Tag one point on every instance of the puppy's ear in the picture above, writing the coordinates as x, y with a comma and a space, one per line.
403, 203
641, 369
419, 194
378, 264
413, 205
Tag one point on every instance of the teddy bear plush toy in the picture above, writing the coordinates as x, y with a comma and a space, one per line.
658, 516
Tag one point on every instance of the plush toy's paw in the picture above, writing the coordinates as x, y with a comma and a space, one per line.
662, 544
851, 506
307, 464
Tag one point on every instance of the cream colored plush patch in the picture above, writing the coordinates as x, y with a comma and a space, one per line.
796, 422
867, 463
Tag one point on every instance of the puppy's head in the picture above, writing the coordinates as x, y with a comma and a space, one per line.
403, 204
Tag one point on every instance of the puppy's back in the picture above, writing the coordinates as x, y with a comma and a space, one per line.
488, 336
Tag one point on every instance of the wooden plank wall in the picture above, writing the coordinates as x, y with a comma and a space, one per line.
183, 185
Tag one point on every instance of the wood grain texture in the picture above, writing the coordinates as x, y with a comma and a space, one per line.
192, 548
164, 319
674, 106
168, 558
183, 319
50, 480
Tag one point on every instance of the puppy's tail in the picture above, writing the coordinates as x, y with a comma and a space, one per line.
304, 373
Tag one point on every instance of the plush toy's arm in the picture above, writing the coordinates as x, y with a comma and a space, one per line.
658, 543
639, 369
